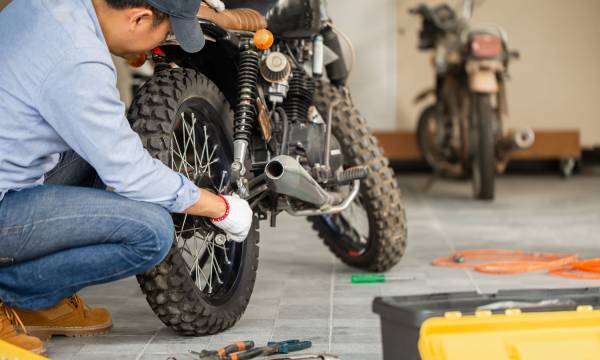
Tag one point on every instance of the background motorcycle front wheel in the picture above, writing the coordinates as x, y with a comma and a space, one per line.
484, 155
205, 283
434, 137
371, 234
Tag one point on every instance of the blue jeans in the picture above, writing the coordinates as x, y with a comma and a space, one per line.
60, 237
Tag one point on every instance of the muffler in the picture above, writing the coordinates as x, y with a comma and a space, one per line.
286, 176
516, 140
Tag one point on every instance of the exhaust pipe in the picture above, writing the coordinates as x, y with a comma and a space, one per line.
523, 139
286, 176
515, 140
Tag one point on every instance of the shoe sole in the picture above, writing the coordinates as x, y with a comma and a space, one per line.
46, 332
39, 351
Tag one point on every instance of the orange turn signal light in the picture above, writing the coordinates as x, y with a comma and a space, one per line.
263, 39
137, 61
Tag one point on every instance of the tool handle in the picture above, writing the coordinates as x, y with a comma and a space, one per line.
367, 278
300, 345
284, 347
238, 346
252, 353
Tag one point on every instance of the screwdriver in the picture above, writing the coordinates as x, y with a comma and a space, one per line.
377, 278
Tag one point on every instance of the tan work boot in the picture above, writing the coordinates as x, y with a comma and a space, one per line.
8, 320
70, 317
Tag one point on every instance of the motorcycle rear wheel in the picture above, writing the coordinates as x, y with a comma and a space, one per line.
483, 163
381, 243
205, 283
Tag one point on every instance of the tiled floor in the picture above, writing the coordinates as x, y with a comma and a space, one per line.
304, 292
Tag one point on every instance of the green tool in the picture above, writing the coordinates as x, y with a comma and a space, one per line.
376, 278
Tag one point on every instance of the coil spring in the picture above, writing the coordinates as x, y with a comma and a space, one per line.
245, 111
300, 95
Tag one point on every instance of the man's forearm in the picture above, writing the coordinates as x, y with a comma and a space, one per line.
207, 205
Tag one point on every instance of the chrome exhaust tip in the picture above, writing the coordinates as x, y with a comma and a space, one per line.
286, 176
274, 170
523, 139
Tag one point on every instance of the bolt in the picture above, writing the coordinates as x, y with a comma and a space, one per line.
236, 167
220, 239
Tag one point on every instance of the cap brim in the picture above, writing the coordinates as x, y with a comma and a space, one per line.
188, 33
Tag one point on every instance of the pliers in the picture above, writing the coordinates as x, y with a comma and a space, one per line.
272, 348
245, 350
225, 352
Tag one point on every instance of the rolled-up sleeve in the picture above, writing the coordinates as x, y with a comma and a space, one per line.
80, 100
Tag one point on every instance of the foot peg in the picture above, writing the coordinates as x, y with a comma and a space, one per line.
348, 176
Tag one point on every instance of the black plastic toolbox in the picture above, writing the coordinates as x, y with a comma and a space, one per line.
402, 316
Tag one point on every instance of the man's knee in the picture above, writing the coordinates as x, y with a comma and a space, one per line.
156, 235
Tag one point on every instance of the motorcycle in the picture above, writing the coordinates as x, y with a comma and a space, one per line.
461, 134
266, 115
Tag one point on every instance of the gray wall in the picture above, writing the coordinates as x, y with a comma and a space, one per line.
371, 24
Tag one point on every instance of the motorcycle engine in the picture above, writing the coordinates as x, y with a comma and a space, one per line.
307, 139
293, 88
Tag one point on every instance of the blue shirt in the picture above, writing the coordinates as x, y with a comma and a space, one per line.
58, 92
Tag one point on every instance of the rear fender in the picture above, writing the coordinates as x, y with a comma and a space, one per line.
483, 75
218, 60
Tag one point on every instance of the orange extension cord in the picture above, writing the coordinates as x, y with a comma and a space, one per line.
505, 262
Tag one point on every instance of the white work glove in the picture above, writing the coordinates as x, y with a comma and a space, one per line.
237, 220
218, 5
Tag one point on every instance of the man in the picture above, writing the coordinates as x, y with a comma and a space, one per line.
61, 123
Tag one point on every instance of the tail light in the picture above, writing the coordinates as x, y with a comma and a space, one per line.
486, 46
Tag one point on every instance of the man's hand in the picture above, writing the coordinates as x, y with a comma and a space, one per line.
218, 5
229, 213
237, 219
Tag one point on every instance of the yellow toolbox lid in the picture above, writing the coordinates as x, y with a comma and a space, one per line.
11, 352
568, 335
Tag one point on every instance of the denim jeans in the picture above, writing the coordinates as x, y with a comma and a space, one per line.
60, 237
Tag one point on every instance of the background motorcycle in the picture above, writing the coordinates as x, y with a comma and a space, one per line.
461, 134
277, 125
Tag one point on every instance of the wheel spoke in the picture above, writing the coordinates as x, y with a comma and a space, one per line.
197, 164
218, 270
223, 175
197, 266
204, 145
178, 153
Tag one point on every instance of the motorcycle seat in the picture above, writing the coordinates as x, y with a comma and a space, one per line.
234, 19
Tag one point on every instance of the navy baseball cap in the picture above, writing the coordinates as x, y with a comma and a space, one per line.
184, 22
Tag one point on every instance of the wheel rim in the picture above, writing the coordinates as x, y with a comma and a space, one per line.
353, 228
476, 174
198, 151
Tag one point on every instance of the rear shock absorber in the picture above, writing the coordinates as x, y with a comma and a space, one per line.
245, 112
